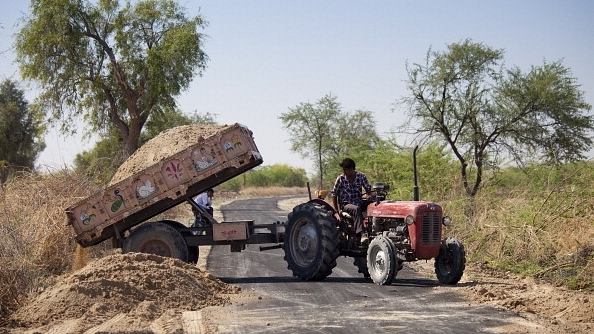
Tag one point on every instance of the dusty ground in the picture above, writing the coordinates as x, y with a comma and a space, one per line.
555, 308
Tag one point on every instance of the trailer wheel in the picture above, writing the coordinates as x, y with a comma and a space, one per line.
382, 261
361, 263
451, 261
311, 242
193, 251
157, 238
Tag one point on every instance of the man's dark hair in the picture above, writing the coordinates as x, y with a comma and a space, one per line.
347, 163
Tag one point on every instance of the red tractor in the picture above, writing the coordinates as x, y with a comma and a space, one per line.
395, 232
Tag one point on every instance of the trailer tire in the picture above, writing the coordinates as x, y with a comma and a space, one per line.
311, 242
157, 238
193, 251
382, 261
451, 261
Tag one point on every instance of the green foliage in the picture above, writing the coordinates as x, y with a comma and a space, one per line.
547, 113
113, 66
324, 133
486, 115
278, 175
523, 267
235, 184
21, 131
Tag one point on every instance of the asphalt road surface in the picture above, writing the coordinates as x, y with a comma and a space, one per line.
344, 302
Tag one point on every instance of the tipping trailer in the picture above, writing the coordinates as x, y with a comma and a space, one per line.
120, 212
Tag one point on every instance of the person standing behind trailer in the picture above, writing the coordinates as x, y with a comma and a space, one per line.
347, 194
204, 200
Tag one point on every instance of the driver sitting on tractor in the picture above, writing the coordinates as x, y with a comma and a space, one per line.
347, 193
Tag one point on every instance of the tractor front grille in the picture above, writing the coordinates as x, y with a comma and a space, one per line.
430, 224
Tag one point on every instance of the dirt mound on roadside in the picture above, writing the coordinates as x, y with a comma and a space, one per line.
123, 291
565, 311
165, 144
557, 309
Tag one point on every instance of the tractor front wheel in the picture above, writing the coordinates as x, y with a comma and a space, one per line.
451, 261
382, 261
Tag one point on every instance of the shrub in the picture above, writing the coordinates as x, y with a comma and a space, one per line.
278, 175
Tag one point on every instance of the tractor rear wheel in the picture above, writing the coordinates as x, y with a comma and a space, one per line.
382, 261
451, 261
157, 238
311, 242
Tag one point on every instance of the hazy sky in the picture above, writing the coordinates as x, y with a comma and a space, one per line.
268, 56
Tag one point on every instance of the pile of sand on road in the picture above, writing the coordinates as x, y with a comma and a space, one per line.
131, 287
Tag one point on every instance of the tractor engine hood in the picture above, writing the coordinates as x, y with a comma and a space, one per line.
401, 209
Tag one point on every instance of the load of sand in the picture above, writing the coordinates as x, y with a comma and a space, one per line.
163, 145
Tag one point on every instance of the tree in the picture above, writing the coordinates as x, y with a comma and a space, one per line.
21, 131
113, 66
324, 132
486, 113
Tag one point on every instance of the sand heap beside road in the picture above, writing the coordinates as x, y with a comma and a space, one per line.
124, 291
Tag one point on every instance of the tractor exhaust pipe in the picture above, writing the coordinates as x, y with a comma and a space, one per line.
416, 195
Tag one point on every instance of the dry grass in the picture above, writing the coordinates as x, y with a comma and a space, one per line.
35, 242
529, 234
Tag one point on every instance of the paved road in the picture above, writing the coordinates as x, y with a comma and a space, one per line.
344, 302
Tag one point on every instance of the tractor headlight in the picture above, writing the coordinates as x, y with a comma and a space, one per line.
447, 220
409, 220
